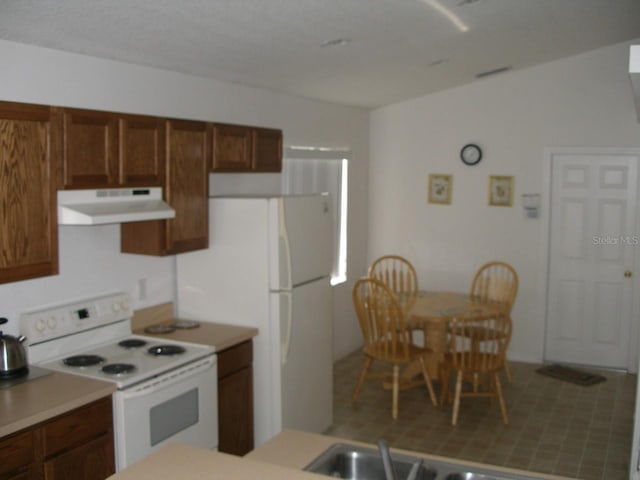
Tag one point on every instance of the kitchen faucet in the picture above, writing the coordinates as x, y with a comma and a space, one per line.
387, 463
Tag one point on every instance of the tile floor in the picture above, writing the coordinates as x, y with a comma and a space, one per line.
554, 426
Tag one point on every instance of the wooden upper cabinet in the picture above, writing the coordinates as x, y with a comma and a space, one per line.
231, 148
238, 148
110, 150
90, 149
142, 151
29, 155
188, 147
267, 150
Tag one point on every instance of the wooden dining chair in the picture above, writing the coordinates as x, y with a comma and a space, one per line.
477, 354
399, 275
496, 282
386, 339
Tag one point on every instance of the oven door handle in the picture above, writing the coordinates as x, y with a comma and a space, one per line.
168, 379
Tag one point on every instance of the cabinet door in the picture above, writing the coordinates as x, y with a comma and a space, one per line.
93, 460
90, 143
188, 185
17, 456
235, 399
267, 150
235, 412
231, 148
29, 154
142, 151
186, 190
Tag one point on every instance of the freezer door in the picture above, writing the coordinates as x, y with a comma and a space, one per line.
302, 240
307, 370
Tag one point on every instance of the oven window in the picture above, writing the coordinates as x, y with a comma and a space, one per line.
173, 416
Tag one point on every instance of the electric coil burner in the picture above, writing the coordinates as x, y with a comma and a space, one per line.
83, 360
166, 390
118, 368
160, 350
132, 343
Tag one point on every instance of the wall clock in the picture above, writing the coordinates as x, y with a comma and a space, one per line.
471, 154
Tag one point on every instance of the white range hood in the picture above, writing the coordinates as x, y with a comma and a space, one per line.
112, 205
634, 73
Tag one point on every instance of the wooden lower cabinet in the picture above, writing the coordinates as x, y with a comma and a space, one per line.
235, 399
77, 445
91, 460
17, 456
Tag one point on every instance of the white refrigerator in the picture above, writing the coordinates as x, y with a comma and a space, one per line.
268, 266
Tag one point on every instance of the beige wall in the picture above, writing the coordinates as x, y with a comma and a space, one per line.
90, 262
580, 101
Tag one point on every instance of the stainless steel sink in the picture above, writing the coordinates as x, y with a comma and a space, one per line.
357, 463
342, 460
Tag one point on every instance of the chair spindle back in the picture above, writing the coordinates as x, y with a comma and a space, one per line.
381, 319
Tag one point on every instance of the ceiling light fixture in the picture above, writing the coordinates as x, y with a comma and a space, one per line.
336, 42
451, 16
493, 72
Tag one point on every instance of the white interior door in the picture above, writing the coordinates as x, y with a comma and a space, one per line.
591, 254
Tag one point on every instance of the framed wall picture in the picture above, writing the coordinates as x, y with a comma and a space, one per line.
440, 188
500, 191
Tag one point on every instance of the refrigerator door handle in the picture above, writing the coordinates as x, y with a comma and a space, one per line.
285, 343
286, 249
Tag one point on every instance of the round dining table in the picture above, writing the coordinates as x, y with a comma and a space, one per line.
431, 313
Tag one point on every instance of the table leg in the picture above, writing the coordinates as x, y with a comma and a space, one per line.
435, 334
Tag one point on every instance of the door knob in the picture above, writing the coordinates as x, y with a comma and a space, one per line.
628, 274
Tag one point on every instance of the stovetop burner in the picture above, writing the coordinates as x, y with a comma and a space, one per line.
160, 329
118, 368
159, 350
132, 343
83, 360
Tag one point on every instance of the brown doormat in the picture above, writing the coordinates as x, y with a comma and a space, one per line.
572, 375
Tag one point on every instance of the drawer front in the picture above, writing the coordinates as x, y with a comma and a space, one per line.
235, 358
16, 451
77, 427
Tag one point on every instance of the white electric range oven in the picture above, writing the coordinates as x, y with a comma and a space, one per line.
166, 390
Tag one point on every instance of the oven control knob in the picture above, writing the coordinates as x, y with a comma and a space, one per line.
52, 322
125, 305
115, 306
40, 325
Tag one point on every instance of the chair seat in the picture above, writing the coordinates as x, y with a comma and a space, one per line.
399, 358
492, 363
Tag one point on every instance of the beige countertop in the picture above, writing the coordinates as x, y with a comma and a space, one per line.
282, 457
35, 401
217, 335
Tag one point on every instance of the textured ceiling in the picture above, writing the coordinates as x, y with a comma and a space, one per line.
397, 49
